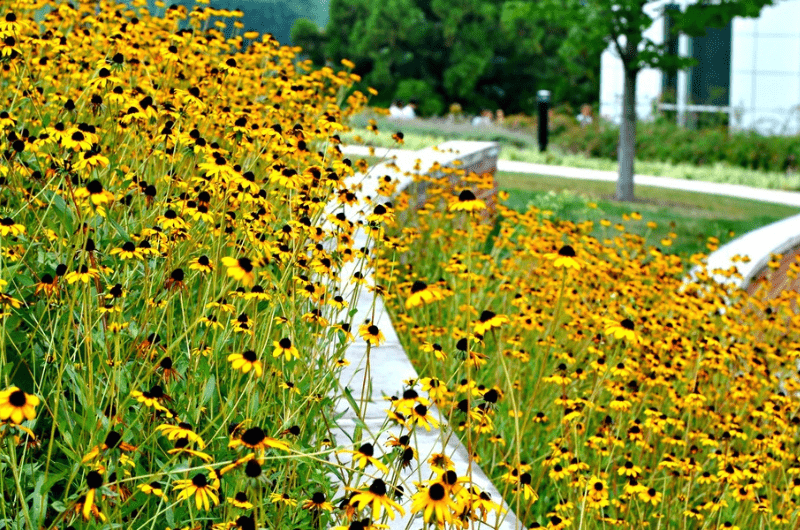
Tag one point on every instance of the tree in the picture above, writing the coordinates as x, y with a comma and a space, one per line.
468, 52
621, 24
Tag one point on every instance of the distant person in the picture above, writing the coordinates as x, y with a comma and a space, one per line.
585, 117
409, 111
456, 113
484, 119
500, 117
396, 109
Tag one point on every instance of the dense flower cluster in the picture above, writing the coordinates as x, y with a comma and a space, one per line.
171, 241
594, 383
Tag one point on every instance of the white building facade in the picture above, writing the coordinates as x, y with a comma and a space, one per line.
749, 73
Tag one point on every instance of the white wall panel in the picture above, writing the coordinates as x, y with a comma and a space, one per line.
778, 54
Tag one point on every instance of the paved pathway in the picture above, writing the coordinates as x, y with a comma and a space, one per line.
390, 365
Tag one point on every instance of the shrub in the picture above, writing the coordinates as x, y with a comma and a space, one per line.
664, 141
430, 103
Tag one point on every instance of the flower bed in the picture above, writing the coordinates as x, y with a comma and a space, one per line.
172, 321
591, 383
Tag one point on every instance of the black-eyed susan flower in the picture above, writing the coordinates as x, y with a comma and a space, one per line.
376, 497
175, 280
245, 522
94, 481
597, 493
371, 334
629, 469
47, 284
338, 302
285, 348
622, 330
441, 461
84, 274
422, 293
9, 226
153, 488
282, 498
243, 324
467, 202
180, 431
95, 192
435, 388
202, 264
525, 487
211, 321
113, 441
76, 140
489, 320
205, 490
153, 398
435, 504
650, 496
256, 439
127, 251
240, 501
382, 213
167, 369
565, 258
434, 348
245, 362
481, 502
182, 447
421, 416
17, 406
317, 502
240, 269
7, 301
365, 456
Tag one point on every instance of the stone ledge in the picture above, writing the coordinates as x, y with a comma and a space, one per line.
758, 245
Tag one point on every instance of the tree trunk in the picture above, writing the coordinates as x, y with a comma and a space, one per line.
627, 137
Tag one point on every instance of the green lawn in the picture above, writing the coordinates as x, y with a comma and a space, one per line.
517, 147
692, 216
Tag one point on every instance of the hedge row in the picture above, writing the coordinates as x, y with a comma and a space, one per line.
666, 142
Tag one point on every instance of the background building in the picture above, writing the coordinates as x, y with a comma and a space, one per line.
747, 76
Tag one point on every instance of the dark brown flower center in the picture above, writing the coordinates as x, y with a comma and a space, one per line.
367, 449
566, 251
378, 488
253, 436
436, 492
17, 398
466, 195
252, 469
94, 480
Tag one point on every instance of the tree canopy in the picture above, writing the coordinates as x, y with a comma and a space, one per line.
478, 53
622, 25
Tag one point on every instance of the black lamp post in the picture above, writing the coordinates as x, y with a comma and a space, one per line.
543, 105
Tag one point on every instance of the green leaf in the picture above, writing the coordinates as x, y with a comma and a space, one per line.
121, 231
208, 391
64, 213
348, 396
